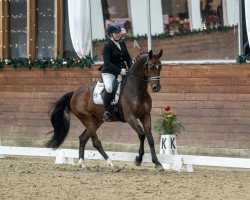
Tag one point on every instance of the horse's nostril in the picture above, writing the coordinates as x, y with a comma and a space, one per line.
156, 87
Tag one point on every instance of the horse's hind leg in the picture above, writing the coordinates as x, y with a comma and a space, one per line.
92, 124
135, 125
83, 139
98, 145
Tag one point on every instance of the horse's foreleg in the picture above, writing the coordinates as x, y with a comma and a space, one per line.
83, 139
98, 145
146, 121
138, 129
150, 139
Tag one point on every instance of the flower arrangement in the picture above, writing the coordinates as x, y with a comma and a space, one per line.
167, 123
213, 18
243, 58
174, 21
86, 61
127, 24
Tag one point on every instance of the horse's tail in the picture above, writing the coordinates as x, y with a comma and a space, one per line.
60, 120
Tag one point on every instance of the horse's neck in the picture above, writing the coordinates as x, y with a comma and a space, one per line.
138, 68
136, 82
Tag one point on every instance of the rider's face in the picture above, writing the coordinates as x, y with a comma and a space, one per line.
117, 36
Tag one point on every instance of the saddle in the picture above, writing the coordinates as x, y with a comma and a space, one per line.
99, 88
97, 97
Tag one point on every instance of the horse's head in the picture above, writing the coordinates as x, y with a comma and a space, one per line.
152, 70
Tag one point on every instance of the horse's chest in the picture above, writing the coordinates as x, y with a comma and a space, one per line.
141, 106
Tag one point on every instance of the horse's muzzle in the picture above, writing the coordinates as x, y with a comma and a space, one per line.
156, 87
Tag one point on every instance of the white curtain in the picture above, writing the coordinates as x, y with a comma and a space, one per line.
195, 16
98, 30
231, 12
80, 26
139, 16
247, 13
156, 17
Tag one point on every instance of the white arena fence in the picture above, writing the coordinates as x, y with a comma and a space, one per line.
176, 162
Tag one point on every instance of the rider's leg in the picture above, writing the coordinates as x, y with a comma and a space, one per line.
107, 98
108, 80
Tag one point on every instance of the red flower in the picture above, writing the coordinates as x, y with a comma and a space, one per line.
127, 24
167, 108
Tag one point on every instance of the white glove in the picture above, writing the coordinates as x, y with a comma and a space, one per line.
124, 72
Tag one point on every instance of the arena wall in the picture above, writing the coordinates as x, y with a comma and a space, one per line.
200, 46
212, 101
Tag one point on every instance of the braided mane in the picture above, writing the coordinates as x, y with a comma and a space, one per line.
139, 56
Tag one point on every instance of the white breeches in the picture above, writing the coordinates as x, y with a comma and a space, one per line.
108, 80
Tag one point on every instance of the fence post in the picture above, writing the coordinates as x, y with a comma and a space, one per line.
168, 147
180, 166
62, 159
1, 156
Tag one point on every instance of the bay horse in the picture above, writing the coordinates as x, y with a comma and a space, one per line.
135, 103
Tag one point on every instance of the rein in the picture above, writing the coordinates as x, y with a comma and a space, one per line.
142, 79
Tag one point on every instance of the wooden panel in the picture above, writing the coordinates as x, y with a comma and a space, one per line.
35, 95
4, 29
31, 29
188, 47
38, 88
18, 108
26, 102
44, 81
212, 101
203, 104
34, 72
197, 46
203, 89
208, 72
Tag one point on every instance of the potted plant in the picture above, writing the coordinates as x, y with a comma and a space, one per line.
168, 126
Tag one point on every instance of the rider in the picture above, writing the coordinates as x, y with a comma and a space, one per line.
115, 57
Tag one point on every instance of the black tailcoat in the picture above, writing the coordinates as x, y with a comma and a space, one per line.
114, 58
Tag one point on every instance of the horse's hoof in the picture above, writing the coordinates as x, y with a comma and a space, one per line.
84, 167
81, 164
137, 163
116, 169
159, 168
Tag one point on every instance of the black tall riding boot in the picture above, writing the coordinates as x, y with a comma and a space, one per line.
107, 98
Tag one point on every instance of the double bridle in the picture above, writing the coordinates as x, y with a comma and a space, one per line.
148, 79
153, 78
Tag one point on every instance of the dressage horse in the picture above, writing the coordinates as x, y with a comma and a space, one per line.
135, 103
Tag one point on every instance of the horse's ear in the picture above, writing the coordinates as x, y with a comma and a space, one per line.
150, 55
160, 54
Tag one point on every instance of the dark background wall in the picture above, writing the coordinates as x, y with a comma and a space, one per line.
200, 46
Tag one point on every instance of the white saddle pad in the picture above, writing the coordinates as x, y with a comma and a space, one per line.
97, 98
